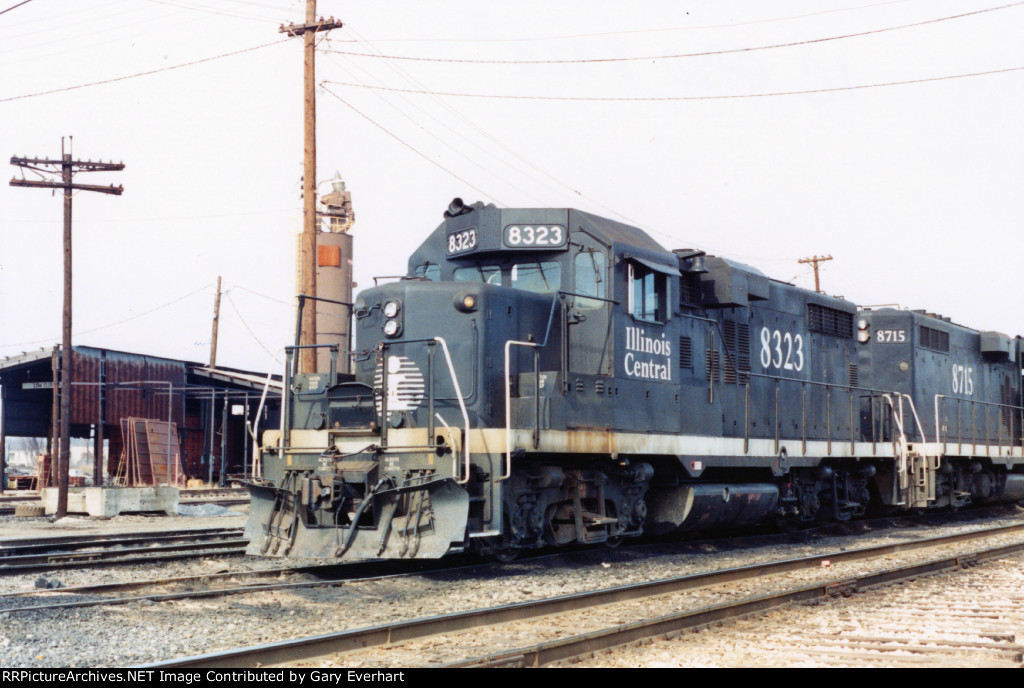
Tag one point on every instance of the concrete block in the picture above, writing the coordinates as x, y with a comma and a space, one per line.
111, 501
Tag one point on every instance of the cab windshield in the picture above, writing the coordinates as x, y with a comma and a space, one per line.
542, 277
539, 276
488, 274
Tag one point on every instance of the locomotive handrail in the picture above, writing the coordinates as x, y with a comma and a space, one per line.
465, 413
974, 430
555, 300
744, 377
508, 401
458, 397
898, 419
913, 410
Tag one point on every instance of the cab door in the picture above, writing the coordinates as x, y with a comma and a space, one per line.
588, 320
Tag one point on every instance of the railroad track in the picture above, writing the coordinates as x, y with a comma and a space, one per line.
63, 552
201, 586
197, 586
969, 619
413, 642
222, 497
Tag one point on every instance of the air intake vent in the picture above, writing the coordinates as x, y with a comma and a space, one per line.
830, 321
685, 352
853, 375
743, 350
937, 340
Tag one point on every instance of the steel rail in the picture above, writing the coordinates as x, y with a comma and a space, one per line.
8, 509
8, 505
85, 537
120, 557
356, 639
353, 573
12, 549
672, 624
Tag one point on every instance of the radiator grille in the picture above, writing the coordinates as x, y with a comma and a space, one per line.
830, 321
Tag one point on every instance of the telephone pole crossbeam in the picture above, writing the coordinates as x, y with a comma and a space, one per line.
814, 260
312, 27
83, 165
114, 190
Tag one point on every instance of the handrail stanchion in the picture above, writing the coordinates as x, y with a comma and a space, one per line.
462, 407
508, 403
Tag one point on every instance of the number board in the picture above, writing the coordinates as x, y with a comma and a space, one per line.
534, 236
462, 241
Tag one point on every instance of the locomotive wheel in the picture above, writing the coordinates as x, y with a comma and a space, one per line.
614, 541
504, 554
499, 548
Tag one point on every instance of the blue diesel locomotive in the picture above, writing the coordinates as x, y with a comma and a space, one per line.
545, 377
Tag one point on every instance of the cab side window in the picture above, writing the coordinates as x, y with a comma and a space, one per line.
431, 271
589, 269
648, 292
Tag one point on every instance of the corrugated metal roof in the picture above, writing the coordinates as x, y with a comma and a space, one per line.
252, 380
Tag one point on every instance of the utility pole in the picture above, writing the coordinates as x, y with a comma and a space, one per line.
216, 322
307, 253
67, 167
814, 261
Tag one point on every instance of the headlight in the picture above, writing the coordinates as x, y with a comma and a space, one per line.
391, 309
391, 328
465, 302
862, 324
863, 336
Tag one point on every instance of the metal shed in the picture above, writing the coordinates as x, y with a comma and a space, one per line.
212, 408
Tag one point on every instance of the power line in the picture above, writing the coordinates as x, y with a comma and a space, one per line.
448, 39
792, 44
246, 325
407, 145
271, 298
119, 322
420, 123
164, 218
460, 115
681, 98
573, 193
154, 71
14, 7
210, 10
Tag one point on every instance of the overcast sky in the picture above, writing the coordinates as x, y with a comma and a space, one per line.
889, 135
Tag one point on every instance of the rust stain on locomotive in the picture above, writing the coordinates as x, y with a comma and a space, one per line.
590, 441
